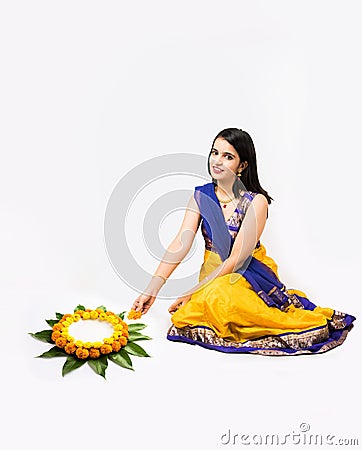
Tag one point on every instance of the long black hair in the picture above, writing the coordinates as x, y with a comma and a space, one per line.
243, 144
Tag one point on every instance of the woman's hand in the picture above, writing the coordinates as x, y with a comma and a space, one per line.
143, 303
178, 303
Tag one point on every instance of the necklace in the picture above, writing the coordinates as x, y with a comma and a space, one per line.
224, 202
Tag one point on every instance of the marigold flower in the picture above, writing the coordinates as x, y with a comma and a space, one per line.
66, 323
70, 348
66, 316
88, 344
94, 315
102, 316
55, 335
79, 343
116, 346
133, 314
108, 340
118, 328
57, 327
105, 349
61, 342
86, 315
94, 353
97, 344
70, 338
76, 317
82, 353
123, 341
79, 312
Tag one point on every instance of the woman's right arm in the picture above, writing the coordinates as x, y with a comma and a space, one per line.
175, 253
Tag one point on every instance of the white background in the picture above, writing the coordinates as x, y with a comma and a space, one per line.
90, 90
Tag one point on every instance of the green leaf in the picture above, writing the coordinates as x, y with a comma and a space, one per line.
136, 326
59, 315
53, 353
52, 322
135, 349
44, 336
79, 307
103, 308
71, 364
121, 315
99, 365
134, 336
122, 359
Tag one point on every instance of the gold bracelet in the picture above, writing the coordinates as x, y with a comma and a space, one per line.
161, 276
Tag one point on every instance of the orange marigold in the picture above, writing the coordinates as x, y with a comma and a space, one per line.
94, 353
57, 327
116, 346
61, 342
105, 349
82, 353
70, 348
56, 335
123, 341
133, 314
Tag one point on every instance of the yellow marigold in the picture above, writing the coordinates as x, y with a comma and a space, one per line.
117, 334
97, 344
76, 317
82, 353
108, 340
70, 348
79, 343
102, 316
70, 338
94, 353
123, 341
86, 315
118, 328
57, 327
66, 323
133, 314
105, 349
116, 346
88, 344
55, 335
70, 319
110, 313
94, 315
79, 312
61, 342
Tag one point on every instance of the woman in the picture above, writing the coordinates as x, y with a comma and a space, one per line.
240, 304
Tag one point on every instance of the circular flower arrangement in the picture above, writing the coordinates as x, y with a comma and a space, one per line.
117, 347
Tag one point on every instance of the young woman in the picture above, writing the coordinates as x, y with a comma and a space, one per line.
240, 304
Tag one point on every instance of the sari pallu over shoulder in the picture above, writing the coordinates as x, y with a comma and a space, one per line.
262, 279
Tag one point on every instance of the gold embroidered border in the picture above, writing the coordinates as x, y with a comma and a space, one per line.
267, 345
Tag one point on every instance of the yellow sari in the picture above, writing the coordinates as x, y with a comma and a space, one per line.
227, 314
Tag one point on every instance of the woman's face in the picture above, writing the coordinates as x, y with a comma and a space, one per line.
224, 160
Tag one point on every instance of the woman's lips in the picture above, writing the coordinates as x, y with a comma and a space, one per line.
216, 169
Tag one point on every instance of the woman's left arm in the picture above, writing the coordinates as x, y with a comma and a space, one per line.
249, 234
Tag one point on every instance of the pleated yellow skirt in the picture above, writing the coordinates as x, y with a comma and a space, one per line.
234, 311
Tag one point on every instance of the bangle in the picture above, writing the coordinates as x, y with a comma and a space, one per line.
161, 276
